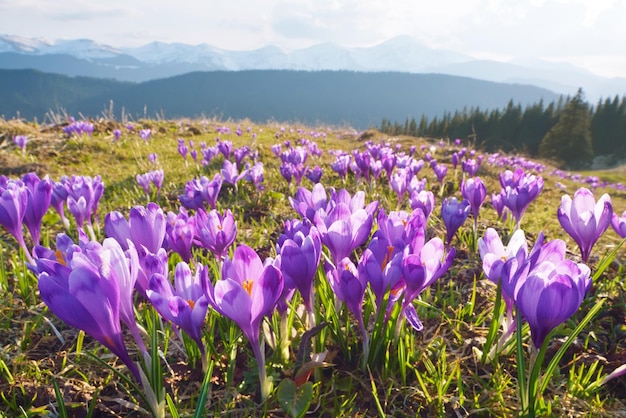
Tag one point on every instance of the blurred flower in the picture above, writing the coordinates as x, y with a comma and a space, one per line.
314, 174
21, 141
144, 182
145, 134
619, 224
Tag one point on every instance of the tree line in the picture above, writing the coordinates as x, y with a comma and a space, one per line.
570, 130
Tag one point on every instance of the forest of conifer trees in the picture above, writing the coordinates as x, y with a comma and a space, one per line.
517, 129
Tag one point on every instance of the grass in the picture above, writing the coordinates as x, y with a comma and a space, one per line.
47, 368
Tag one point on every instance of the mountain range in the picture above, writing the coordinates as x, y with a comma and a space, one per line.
341, 98
84, 57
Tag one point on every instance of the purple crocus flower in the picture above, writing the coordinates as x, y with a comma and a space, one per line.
307, 202
230, 173
454, 214
13, 204
241, 153
314, 174
215, 232
454, 160
144, 182
89, 294
225, 148
422, 265
424, 200
619, 224
182, 148
179, 233
519, 190
381, 266
145, 134
201, 191
474, 190
246, 293
341, 165
440, 170
58, 199
156, 177
470, 167
546, 287
343, 229
584, 219
117, 134
399, 182
494, 254
21, 141
349, 287
286, 170
147, 227
276, 149
39, 195
255, 175
84, 195
186, 304
153, 157
498, 205
299, 259
388, 160
211, 191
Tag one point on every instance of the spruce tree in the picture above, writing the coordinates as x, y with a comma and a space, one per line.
568, 142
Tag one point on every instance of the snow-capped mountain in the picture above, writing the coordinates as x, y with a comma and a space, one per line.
400, 54
79, 48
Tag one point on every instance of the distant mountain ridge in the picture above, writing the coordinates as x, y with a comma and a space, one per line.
402, 54
355, 99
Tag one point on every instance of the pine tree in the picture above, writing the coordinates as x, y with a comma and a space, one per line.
568, 142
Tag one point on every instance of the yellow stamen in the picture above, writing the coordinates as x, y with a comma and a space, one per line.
60, 259
191, 303
387, 258
247, 285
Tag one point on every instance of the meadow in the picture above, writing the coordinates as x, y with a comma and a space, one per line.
225, 268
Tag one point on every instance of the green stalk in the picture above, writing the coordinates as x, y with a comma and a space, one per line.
521, 372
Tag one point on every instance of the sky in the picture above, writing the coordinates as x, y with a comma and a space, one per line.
587, 33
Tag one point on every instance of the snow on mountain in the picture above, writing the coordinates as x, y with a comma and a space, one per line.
161, 52
19, 44
404, 53
79, 48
